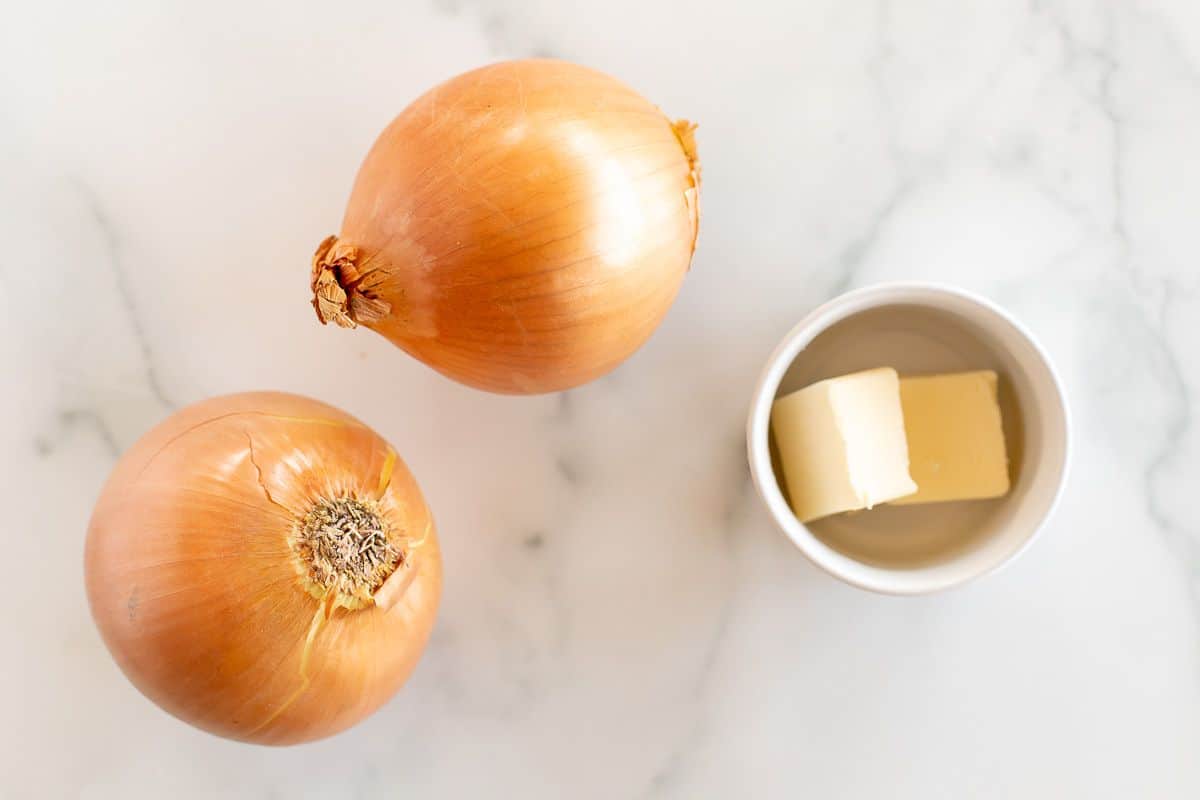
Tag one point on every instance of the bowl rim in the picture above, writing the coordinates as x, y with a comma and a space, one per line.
800, 336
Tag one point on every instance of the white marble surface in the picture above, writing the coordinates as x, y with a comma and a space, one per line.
620, 617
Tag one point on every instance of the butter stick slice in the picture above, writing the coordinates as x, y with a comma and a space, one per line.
955, 437
841, 444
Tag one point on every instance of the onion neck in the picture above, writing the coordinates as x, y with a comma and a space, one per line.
344, 286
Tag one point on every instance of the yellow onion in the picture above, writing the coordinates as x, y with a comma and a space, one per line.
521, 228
264, 567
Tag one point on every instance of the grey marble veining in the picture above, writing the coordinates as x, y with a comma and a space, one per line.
620, 618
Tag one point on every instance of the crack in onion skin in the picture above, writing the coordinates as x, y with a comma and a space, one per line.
198, 590
522, 228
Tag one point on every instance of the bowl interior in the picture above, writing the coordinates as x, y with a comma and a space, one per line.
941, 542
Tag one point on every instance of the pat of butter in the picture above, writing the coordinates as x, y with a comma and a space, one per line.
955, 437
841, 444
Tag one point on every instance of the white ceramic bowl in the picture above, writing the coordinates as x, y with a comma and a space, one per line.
920, 329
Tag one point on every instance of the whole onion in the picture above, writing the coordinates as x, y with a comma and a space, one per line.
521, 228
264, 567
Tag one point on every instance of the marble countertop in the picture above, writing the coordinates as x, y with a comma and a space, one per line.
621, 618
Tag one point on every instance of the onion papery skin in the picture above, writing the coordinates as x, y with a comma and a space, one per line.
196, 585
522, 228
